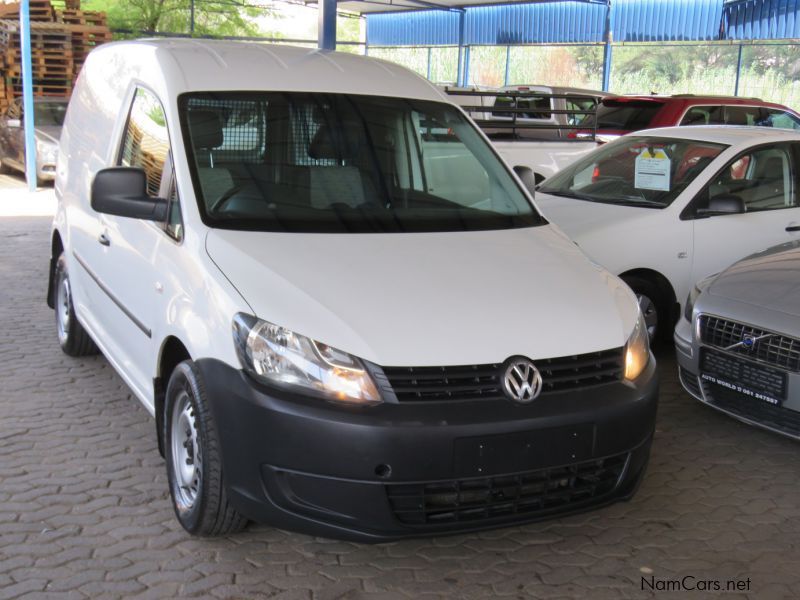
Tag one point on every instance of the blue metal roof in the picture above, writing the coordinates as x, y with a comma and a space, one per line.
761, 19
583, 21
665, 21
544, 23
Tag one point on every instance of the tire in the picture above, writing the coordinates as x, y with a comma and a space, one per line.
194, 463
72, 337
654, 306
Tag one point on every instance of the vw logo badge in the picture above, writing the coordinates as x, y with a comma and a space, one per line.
522, 381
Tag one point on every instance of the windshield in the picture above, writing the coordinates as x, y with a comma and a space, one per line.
635, 170
305, 162
627, 115
49, 113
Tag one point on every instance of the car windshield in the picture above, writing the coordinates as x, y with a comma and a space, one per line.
49, 114
626, 115
643, 171
305, 162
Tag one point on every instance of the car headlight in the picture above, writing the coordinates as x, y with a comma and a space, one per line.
276, 355
46, 150
691, 299
637, 350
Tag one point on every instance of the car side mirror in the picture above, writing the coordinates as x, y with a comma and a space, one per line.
527, 177
14, 123
723, 204
122, 192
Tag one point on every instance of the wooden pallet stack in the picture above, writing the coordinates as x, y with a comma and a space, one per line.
60, 41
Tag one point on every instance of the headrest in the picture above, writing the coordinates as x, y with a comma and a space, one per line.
205, 127
323, 145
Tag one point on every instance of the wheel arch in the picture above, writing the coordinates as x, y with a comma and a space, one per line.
172, 352
660, 281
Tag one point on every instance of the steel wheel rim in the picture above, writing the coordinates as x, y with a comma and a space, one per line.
650, 313
186, 453
63, 309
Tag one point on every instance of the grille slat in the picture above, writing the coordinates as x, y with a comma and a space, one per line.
541, 491
775, 349
484, 382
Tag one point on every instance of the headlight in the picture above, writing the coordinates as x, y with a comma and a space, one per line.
690, 300
276, 355
698, 288
637, 350
46, 150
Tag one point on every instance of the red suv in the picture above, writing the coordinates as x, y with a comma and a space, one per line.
618, 115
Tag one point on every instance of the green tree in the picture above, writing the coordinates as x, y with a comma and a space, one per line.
211, 17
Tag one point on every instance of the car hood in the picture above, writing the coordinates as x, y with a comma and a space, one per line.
430, 298
48, 133
769, 280
582, 218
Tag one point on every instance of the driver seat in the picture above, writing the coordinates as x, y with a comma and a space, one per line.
205, 131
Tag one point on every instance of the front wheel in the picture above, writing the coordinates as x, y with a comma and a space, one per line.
194, 463
72, 336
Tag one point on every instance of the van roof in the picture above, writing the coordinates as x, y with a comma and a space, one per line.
209, 65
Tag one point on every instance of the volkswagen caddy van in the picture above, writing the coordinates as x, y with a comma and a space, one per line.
344, 311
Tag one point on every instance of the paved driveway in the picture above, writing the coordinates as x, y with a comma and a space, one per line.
84, 511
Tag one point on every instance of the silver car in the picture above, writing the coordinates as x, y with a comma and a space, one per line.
48, 118
738, 342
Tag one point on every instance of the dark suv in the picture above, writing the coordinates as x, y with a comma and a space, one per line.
618, 115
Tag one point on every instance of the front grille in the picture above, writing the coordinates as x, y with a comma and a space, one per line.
689, 381
529, 494
775, 349
484, 382
774, 417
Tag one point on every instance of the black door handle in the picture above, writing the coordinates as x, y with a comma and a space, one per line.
793, 228
103, 239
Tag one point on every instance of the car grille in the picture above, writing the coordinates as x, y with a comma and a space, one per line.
776, 349
484, 382
769, 415
533, 493
690, 382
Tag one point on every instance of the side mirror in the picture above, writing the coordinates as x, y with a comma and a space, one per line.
14, 123
724, 204
527, 177
122, 192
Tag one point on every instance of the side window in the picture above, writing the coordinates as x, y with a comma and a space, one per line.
764, 179
145, 143
782, 119
742, 115
703, 115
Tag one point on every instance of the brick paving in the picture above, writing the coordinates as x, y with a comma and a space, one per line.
84, 510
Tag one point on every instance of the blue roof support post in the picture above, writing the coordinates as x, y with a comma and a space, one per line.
508, 65
460, 73
27, 93
607, 50
326, 25
738, 71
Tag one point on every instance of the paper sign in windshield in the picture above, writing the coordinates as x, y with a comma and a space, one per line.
652, 171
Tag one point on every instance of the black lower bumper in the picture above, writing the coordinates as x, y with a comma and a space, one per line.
400, 470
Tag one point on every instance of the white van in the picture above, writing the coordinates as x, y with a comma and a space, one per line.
344, 311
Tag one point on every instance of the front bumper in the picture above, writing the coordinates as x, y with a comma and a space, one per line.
400, 470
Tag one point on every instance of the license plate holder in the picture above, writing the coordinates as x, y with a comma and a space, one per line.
523, 451
760, 382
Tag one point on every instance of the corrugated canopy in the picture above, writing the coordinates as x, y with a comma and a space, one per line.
574, 21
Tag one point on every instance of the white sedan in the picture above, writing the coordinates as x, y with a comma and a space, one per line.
665, 208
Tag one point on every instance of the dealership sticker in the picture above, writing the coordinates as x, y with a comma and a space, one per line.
652, 170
